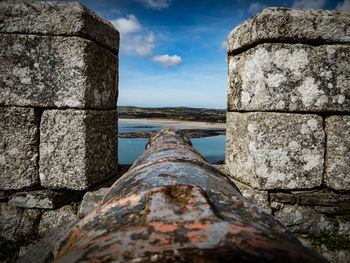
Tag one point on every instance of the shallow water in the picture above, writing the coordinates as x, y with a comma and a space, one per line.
212, 148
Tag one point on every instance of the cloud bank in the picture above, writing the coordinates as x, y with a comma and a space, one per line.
127, 25
256, 7
135, 40
168, 61
343, 5
155, 4
316, 4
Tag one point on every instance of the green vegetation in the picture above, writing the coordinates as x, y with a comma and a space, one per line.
176, 113
75, 207
333, 241
9, 250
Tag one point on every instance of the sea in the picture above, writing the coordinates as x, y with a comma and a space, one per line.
212, 148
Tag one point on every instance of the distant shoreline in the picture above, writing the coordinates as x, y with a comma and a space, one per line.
174, 123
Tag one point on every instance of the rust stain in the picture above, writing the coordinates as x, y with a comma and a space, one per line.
197, 236
163, 227
198, 225
133, 198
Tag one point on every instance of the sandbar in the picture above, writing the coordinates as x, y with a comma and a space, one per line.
174, 123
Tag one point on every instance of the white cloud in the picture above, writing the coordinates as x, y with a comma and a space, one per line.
155, 4
141, 45
224, 44
127, 25
168, 61
316, 4
256, 7
344, 5
135, 40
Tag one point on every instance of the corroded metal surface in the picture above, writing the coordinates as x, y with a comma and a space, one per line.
172, 206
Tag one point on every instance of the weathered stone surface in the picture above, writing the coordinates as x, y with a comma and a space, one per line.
275, 150
285, 77
291, 26
44, 199
16, 222
51, 220
337, 256
283, 198
57, 18
55, 71
19, 140
324, 198
303, 220
332, 210
91, 201
41, 250
260, 198
344, 228
324, 202
337, 175
78, 148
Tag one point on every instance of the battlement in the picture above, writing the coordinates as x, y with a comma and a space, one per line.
288, 124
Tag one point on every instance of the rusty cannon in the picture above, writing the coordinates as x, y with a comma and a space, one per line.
172, 206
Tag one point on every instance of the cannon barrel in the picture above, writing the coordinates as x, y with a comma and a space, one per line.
172, 206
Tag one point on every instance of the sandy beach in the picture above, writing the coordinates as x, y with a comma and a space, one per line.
174, 123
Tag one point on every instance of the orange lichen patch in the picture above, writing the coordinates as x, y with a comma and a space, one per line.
159, 226
132, 198
94, 260
108, 206
196, 236
101, 239
198, 225
158, 241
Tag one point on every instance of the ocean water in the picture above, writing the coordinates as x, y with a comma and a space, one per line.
212, 148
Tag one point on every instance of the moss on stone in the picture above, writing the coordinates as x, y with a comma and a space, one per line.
75, 207
332, 241
9, 250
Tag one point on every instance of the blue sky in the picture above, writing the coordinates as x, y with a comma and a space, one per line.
173, 52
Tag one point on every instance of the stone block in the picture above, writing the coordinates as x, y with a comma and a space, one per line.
44, 199
275, 150
304, 220
16, 222
290, 77
78, 148
51, 220
335, 256
56, 72
283, 198
291, 26
344, 228
260, 198
57, 19
91, 201
19, 143
324, 198
337, 175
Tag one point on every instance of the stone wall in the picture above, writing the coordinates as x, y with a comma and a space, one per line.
288, 121
58, 119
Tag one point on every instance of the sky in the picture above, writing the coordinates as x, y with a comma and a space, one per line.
173, 52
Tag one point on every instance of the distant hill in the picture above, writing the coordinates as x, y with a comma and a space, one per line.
176, 113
